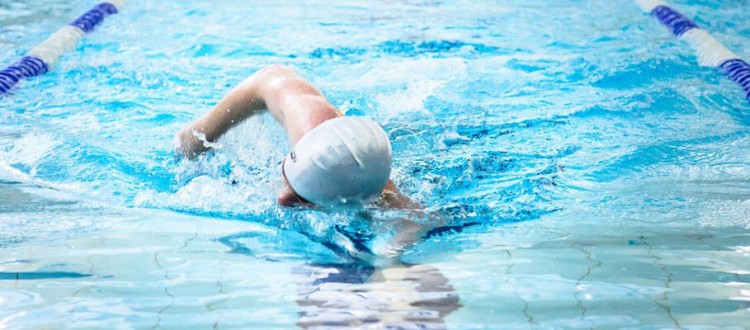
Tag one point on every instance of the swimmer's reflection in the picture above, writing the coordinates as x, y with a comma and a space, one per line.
364, 284
360, 295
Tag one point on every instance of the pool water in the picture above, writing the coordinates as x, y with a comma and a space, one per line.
586, 171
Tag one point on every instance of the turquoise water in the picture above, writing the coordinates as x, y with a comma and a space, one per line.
591, 174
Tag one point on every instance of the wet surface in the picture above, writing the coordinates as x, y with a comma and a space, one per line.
585, 171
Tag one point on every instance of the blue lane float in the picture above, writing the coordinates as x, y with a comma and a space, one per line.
88, 21
42, 58
674, 20
710, 51
739, 71
28, 66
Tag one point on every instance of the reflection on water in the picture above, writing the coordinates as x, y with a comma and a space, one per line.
382, 292
605, 172
360, 296
355, 278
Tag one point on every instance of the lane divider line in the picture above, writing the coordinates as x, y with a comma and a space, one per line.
43, 57
710, 51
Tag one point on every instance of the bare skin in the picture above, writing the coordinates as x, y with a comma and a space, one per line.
294, 102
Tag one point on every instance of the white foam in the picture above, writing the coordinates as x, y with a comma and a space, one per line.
649, 5
59, 42
118, 3
423, 78
29, 149
709, 50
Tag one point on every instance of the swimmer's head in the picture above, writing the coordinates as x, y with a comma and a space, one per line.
343, 161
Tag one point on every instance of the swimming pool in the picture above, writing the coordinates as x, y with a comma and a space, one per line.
594, 174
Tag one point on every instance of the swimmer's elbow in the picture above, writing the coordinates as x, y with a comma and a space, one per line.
264, 81
279, 81
277, 70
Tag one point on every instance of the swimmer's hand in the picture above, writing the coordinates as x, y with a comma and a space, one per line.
392, 198
188, 143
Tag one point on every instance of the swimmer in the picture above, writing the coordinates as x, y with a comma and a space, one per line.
334, 160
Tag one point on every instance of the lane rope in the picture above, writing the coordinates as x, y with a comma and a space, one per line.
710, 51
43, 57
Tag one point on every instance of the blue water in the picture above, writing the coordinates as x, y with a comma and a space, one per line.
588, 171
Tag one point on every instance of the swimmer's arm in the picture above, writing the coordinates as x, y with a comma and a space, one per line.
239, 104
392, 198
294, 102
408, 231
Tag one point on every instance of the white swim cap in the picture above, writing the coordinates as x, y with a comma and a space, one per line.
345, 160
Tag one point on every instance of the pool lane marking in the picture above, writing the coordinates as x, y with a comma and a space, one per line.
710, 51
42, 58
